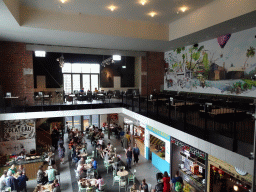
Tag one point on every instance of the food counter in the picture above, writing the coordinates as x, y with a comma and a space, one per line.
30, 165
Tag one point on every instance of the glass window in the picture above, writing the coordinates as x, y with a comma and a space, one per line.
69, 120
67, 83
95, 82
66, 68
77, 122
95, 120
76, 82
86, 68
86, 82
76, 68
95, 68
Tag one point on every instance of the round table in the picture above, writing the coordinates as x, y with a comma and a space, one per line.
123, 173
83, 154
88, 166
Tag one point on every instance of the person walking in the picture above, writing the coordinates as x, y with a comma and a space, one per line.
166, 182
61, 150
136, 153
129, 157
177, 182
51, 173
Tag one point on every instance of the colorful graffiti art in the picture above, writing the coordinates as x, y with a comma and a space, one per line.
226, 65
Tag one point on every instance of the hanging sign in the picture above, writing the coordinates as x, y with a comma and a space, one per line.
159, 133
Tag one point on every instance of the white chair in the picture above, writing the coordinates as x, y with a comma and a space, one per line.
116, 179
122, 184
82, 190
131, 178
102, 188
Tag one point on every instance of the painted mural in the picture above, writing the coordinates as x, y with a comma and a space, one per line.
19, 135
225, 65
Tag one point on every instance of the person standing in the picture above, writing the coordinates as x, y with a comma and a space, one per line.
166, 182
129, 157
61, 150
11, 181
22, 182
136, 153
51, 173
3, 180
177, 182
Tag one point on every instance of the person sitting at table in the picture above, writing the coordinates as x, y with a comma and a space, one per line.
82, 172
56, 186
94, 164
82, 160
144, 186
22, 178
40, 177
11, 181
100, 182
21, 169
80, 165
100, 151
106, 156
76, 155
82, 91
51, 173
71, 143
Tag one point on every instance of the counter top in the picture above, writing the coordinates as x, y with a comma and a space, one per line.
21, 162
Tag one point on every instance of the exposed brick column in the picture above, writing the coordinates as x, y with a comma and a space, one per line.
152, 72
14, 58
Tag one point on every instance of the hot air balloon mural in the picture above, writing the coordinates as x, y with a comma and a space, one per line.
222, 40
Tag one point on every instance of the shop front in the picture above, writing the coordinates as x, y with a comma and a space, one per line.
157, 148
139, 137
225, 177
191, 164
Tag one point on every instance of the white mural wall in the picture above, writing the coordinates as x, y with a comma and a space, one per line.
19, 135
225, 65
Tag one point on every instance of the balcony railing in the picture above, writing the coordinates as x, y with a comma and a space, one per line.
223, 121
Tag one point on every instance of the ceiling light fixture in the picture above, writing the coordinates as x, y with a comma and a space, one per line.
183, 9
107, 61
112, 7
116, 57
152, 14
63, 1
61, 61
40, 53
143, 2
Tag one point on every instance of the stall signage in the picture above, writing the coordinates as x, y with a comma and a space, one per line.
159, 133
188, 148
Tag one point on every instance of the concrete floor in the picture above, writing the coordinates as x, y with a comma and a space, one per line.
68, 182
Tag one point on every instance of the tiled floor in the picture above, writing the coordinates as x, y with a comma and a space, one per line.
144, 169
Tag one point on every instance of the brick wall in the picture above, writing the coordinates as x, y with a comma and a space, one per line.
13, 59
152, 72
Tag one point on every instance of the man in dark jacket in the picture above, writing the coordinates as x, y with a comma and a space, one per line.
22, 186
11, 181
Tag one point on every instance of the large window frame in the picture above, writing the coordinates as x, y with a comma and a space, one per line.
81, 77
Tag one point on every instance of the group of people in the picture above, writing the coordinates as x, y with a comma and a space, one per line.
135, 152
14, 179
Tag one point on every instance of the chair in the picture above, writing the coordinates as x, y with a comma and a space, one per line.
107, 166
102, 188
131, 178
116, 179
82, 189
89, 189
122, 184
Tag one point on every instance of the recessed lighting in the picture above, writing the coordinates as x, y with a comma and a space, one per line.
124, 67
40, 53
183, 9
116, 57
112, 7
143, 2
152, 14
63, 1
235, 187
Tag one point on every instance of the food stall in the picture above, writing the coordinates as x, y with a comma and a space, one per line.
191, 165
139, 134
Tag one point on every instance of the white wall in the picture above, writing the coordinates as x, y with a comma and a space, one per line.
223, 154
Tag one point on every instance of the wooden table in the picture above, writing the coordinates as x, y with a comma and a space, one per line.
47, 187
11, 99
83, 154
92, 181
